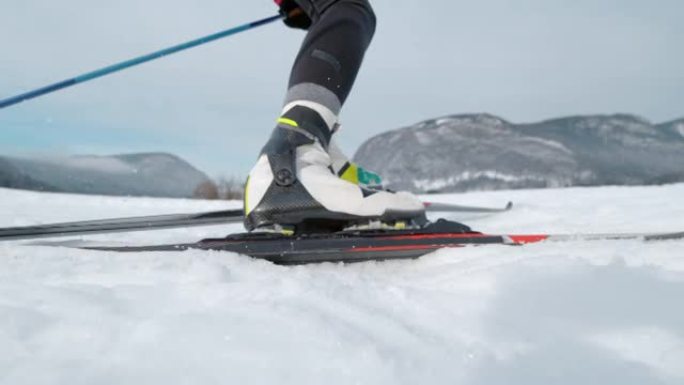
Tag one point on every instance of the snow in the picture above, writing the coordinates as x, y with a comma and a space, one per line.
551, 143
605, 312
680, 128
436, 184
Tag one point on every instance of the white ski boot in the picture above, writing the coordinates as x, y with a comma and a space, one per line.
294, 184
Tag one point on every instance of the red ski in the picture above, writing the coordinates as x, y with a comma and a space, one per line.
371, 245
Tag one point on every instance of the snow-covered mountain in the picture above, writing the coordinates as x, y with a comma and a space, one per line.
148, 174
604, 312
675, 128
485, 152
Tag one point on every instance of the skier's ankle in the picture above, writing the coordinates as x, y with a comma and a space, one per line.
307, 121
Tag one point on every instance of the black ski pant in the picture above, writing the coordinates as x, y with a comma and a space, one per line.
331, 54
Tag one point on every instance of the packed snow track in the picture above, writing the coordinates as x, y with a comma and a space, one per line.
604, 312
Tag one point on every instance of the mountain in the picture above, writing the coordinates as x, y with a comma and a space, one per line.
674, 128
485, 152
150, 174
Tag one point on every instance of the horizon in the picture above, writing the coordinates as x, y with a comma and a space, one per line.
62, 157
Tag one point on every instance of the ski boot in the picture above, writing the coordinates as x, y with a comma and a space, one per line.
294, 187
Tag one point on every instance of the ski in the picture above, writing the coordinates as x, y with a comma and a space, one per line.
157, 222
360, 246
141, 223
448, 207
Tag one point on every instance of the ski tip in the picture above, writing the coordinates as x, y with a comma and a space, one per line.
528, 238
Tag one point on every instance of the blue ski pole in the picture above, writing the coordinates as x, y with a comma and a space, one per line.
133, 62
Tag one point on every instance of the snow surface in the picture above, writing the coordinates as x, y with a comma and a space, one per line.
605, 312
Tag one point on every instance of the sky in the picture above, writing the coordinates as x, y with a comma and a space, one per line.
215, 106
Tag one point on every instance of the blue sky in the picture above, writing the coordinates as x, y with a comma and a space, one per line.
524, 60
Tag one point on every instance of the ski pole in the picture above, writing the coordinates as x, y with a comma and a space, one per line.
134, 62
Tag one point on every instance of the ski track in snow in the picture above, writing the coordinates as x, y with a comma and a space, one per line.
604, 312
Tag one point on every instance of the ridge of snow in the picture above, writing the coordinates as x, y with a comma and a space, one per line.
434, 184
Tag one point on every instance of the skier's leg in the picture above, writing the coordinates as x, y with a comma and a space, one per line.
331, 54
326, 67
293, 181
